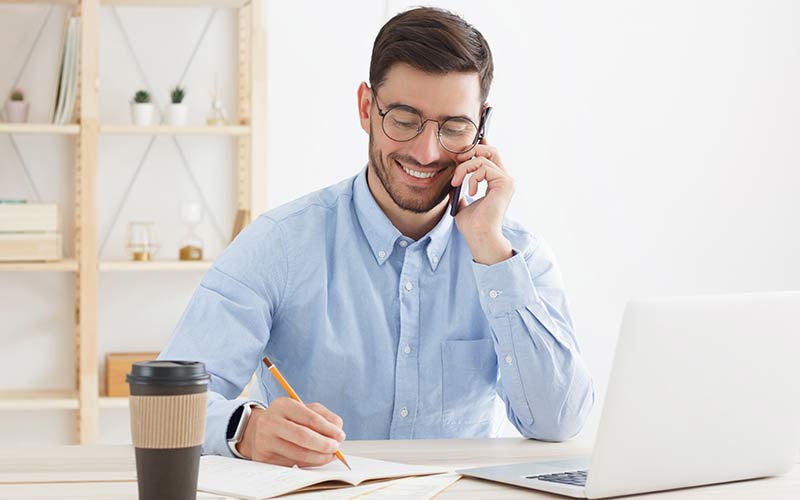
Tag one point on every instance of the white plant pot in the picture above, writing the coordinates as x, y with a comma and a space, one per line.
142, 113
177, 113
17, 111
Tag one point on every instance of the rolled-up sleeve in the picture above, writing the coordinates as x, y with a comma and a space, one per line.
544, 381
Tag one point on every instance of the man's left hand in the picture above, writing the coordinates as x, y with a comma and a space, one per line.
480, 222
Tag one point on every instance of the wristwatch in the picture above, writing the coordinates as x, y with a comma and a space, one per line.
237, 425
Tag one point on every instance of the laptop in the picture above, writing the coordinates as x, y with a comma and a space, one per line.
702, 390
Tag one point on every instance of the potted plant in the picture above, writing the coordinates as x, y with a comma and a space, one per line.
17, 107
177, 111
142, 108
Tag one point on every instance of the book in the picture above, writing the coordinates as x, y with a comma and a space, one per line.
73, 73
67, 87
258, 481
60, 69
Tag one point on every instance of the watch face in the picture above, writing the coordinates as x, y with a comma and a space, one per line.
233, 423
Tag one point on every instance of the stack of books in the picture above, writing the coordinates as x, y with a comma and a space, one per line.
29, 231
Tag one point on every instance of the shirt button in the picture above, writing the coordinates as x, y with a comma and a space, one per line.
404, 412
407, 349
493, 294
403, 243
509, 359
381, 254
409, 286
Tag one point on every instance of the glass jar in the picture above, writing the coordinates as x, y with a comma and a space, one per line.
142, 240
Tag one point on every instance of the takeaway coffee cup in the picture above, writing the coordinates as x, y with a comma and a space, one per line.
168, 416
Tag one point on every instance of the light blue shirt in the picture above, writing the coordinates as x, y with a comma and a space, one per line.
403, 339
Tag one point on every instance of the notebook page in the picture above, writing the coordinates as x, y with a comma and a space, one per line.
256, 481
413, 488
350, 493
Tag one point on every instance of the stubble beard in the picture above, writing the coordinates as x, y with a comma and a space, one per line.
416, 205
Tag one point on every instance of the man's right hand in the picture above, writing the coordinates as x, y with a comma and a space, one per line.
289, 433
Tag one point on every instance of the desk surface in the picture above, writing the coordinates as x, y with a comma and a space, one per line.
64, 468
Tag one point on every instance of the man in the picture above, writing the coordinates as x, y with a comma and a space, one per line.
371, 298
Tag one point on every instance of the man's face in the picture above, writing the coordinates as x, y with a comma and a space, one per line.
416, 174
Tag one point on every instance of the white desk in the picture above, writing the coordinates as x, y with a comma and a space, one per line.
65, 468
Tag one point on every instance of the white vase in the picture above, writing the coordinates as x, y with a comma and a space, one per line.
177, 113
17, 111
142, 113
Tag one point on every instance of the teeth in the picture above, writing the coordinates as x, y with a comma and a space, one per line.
418, 175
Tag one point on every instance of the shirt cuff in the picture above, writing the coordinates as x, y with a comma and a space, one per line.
506, 286
219, 415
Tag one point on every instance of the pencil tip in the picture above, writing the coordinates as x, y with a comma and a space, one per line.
267, 362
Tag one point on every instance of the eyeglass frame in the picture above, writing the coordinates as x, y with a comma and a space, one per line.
478, 135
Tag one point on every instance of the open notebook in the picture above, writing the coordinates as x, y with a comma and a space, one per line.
257, 481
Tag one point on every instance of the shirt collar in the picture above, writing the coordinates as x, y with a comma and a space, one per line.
382, 235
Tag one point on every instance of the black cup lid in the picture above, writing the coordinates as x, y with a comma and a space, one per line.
166, 372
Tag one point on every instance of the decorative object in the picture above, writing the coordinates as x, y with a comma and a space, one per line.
17, 107
118, 364
217, 115
191, 246
142, 240
177, 110
142, 108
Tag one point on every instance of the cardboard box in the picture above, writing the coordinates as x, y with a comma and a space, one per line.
118, 364
29, 218
26, 247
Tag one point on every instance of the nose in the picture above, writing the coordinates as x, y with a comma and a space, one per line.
425, 147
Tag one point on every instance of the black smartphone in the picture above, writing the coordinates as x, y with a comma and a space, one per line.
483, 129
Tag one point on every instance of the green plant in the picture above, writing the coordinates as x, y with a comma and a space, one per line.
17, 95
141, 97
177, 94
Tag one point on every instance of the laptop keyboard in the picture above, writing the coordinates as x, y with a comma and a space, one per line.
575, 478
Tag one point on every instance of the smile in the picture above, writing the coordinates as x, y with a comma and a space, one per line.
422, 176
418, 175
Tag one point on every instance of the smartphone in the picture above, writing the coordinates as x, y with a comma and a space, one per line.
483, 129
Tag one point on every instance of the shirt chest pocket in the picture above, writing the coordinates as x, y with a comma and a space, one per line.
469, 378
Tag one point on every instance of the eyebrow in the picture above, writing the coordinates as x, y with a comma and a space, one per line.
441, 118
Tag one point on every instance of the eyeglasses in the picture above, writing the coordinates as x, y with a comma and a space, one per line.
403, 123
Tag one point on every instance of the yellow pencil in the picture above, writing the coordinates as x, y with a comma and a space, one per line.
288, 388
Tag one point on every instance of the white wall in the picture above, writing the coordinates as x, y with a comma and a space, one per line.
653, 143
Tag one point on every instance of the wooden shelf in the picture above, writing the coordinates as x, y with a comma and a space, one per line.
234, 4
225, 130
155, 265
247, 127
39, 128
61, 265
112, 402
39, 400
57, 2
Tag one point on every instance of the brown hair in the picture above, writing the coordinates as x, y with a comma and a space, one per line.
432, 40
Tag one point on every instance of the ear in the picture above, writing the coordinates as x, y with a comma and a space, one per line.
364, 105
